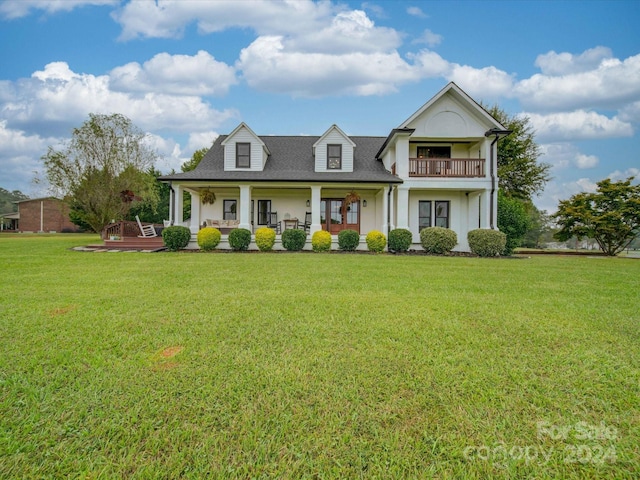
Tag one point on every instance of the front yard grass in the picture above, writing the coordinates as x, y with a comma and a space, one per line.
258, 365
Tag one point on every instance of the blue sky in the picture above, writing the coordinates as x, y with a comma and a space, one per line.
185, 71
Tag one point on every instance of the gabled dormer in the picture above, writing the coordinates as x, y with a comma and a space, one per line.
334, 151
244, 151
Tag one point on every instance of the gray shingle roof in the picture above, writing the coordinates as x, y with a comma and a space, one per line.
292, 160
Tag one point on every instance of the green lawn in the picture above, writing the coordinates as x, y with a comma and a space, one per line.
253, 365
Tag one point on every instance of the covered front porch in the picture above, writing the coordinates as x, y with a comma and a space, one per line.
330, 207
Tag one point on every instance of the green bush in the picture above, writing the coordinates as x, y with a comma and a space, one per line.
208, 238
438, 239
176, 237
376, 241
265, 238
294, 239
239, 238
348, 240
486, 243
400, 239
321, 241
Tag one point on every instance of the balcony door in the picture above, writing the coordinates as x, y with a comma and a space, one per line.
335, 216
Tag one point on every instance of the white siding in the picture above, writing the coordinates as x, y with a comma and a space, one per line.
258, 155
334, 137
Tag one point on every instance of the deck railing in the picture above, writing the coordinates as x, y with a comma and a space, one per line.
446, 167
123, 228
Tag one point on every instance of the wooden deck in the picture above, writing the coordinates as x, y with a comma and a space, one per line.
127, 233
135, 243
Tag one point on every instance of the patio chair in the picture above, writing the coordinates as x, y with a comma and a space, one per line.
147, 231
306, 225
272, 221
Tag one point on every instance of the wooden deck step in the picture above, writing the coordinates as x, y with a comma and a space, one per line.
127, 243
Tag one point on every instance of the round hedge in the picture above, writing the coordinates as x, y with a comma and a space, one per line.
176, 237
486, 243
265, 238
321, 241
294, 239
239, 238
400, 239
376, 241
348, 240
208, 238
438, 240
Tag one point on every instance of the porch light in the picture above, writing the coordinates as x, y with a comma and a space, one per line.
364, 203
308, 203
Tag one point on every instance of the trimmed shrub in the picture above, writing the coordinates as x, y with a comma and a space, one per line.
321, 241
176, 237
376, 241
348, 240
400, 239
438, 239
208, 238
486, 243
294, 239
239, 238
265, 238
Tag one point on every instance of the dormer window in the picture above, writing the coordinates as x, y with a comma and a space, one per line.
243, 155
334, 157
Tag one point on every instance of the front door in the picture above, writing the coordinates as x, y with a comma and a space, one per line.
336, 216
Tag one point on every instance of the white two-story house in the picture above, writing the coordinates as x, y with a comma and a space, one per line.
437, 168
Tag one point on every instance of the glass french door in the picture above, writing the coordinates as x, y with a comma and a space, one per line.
335, 216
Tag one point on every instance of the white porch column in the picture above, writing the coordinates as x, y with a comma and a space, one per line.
178, 205
484, 209
171, 204
195, 212
392, 210
402, 156
315, 209
403, 207
385, 210
245, 207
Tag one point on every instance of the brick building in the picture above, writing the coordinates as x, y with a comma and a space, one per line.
44, 215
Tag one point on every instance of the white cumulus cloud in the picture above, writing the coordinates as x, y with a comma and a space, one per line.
612, 84
583, 161
580, 124
200, 74
57, 95
564, 63
11, 9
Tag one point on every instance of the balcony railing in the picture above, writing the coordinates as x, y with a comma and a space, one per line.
446, 167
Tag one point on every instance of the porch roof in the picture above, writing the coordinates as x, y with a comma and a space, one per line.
291, 160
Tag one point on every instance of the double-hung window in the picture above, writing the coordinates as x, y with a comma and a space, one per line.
433, 214
230, 209
334, 157
243, 155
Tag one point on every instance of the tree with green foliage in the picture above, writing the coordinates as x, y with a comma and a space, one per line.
150, 210
188, 166
610, 216
513, 221
8, 199
195, 160
521, 175
540, 226
102, 170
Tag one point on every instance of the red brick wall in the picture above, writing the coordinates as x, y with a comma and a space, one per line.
55, 216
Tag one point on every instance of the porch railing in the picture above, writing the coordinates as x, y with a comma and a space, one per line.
123, 228
446, 167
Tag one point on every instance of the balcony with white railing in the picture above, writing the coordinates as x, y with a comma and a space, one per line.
447, 167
